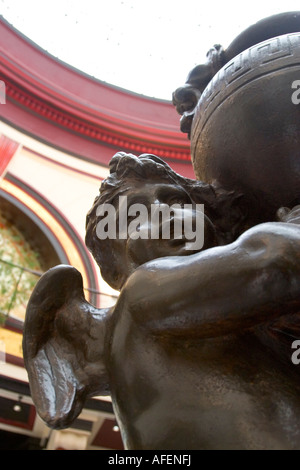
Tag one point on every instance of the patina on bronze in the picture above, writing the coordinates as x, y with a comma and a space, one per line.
196, 353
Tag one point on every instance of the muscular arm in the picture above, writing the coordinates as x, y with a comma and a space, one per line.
222, 290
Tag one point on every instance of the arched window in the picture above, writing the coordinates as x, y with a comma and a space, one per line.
20, 268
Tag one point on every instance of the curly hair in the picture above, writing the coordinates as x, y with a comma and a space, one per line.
125, 171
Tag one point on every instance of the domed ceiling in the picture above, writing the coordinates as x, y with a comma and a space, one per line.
144, 46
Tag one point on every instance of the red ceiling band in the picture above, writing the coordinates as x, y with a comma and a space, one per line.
76, 113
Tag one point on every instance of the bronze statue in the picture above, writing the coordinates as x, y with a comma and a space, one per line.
196, 353
186, 98
244, 124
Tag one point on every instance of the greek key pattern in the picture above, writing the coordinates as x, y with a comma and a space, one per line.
261, 55
263, 58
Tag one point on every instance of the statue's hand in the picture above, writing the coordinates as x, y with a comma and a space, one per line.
185, 100
291, 216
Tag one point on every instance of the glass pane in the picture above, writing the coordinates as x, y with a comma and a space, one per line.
8, 283
16, 282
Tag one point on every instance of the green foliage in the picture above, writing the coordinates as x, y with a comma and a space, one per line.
16, 284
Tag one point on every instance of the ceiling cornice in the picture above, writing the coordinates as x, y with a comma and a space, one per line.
61, 96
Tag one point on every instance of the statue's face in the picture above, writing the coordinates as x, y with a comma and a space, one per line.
150, 237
